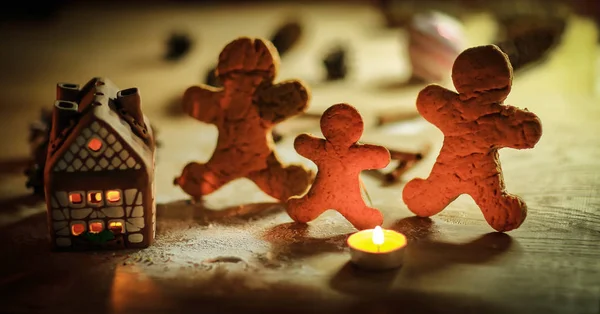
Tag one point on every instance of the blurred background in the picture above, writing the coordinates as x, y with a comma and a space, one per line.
47, 9
375, 54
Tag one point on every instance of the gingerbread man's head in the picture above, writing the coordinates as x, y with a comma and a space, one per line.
248, 56
484, 73
342, 125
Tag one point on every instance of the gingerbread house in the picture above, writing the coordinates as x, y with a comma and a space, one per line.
99, 171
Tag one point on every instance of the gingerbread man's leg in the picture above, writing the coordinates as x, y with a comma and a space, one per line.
430, 196
303, 209
502, 211
362, 216
281, 182
197, 180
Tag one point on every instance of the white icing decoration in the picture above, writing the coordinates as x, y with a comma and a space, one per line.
80, 213
138, 211
130, 196
103, 132
124, 154
103, 163
95, 126
139, 199
57, 214
62, 198
113, 212
59, 225
136, 238
130, 162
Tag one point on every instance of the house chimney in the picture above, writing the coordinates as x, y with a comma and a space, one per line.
67, 91
64, 112
130, 101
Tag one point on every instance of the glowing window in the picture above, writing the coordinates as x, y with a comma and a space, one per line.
95, 197
75, 198
116, 227
95, 144
96, 227
77, 229
113, 196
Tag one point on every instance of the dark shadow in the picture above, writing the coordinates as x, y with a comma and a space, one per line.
16, 165
374, 292
415, 228
414, 301
377, 290
355, 281
292, 240
33, 277
235, 292
14, 203
477, 251
425, 254
186, 210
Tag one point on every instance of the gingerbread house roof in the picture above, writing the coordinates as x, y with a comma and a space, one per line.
98, 110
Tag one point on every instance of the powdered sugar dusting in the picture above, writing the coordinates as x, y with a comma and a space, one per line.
252, 237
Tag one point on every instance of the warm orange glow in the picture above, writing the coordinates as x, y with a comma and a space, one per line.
95, 144
77, 229
113, 196
96, 227
94, 197
367, 240
128, 283
116, 227
75, 198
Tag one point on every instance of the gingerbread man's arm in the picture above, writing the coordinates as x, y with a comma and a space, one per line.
281, 101
202, 103
371, 156
309, 146
434, 103
513, 127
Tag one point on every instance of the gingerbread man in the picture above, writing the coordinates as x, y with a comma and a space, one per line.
340, 159
245, 110
475, 124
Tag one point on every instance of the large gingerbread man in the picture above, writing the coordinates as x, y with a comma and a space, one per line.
245, 110
339, 159
475, 124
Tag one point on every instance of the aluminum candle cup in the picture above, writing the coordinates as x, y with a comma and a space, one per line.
377, 249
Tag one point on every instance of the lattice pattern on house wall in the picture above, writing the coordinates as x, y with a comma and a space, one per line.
153, 191
111, 155
130, 213
134, 212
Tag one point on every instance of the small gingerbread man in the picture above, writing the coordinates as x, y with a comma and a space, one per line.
475, 124
339, 159
245, 110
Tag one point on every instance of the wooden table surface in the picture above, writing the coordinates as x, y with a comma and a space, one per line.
207, 262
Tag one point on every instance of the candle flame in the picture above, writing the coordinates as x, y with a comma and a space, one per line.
378, 235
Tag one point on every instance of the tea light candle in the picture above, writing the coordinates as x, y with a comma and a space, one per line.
377, 249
